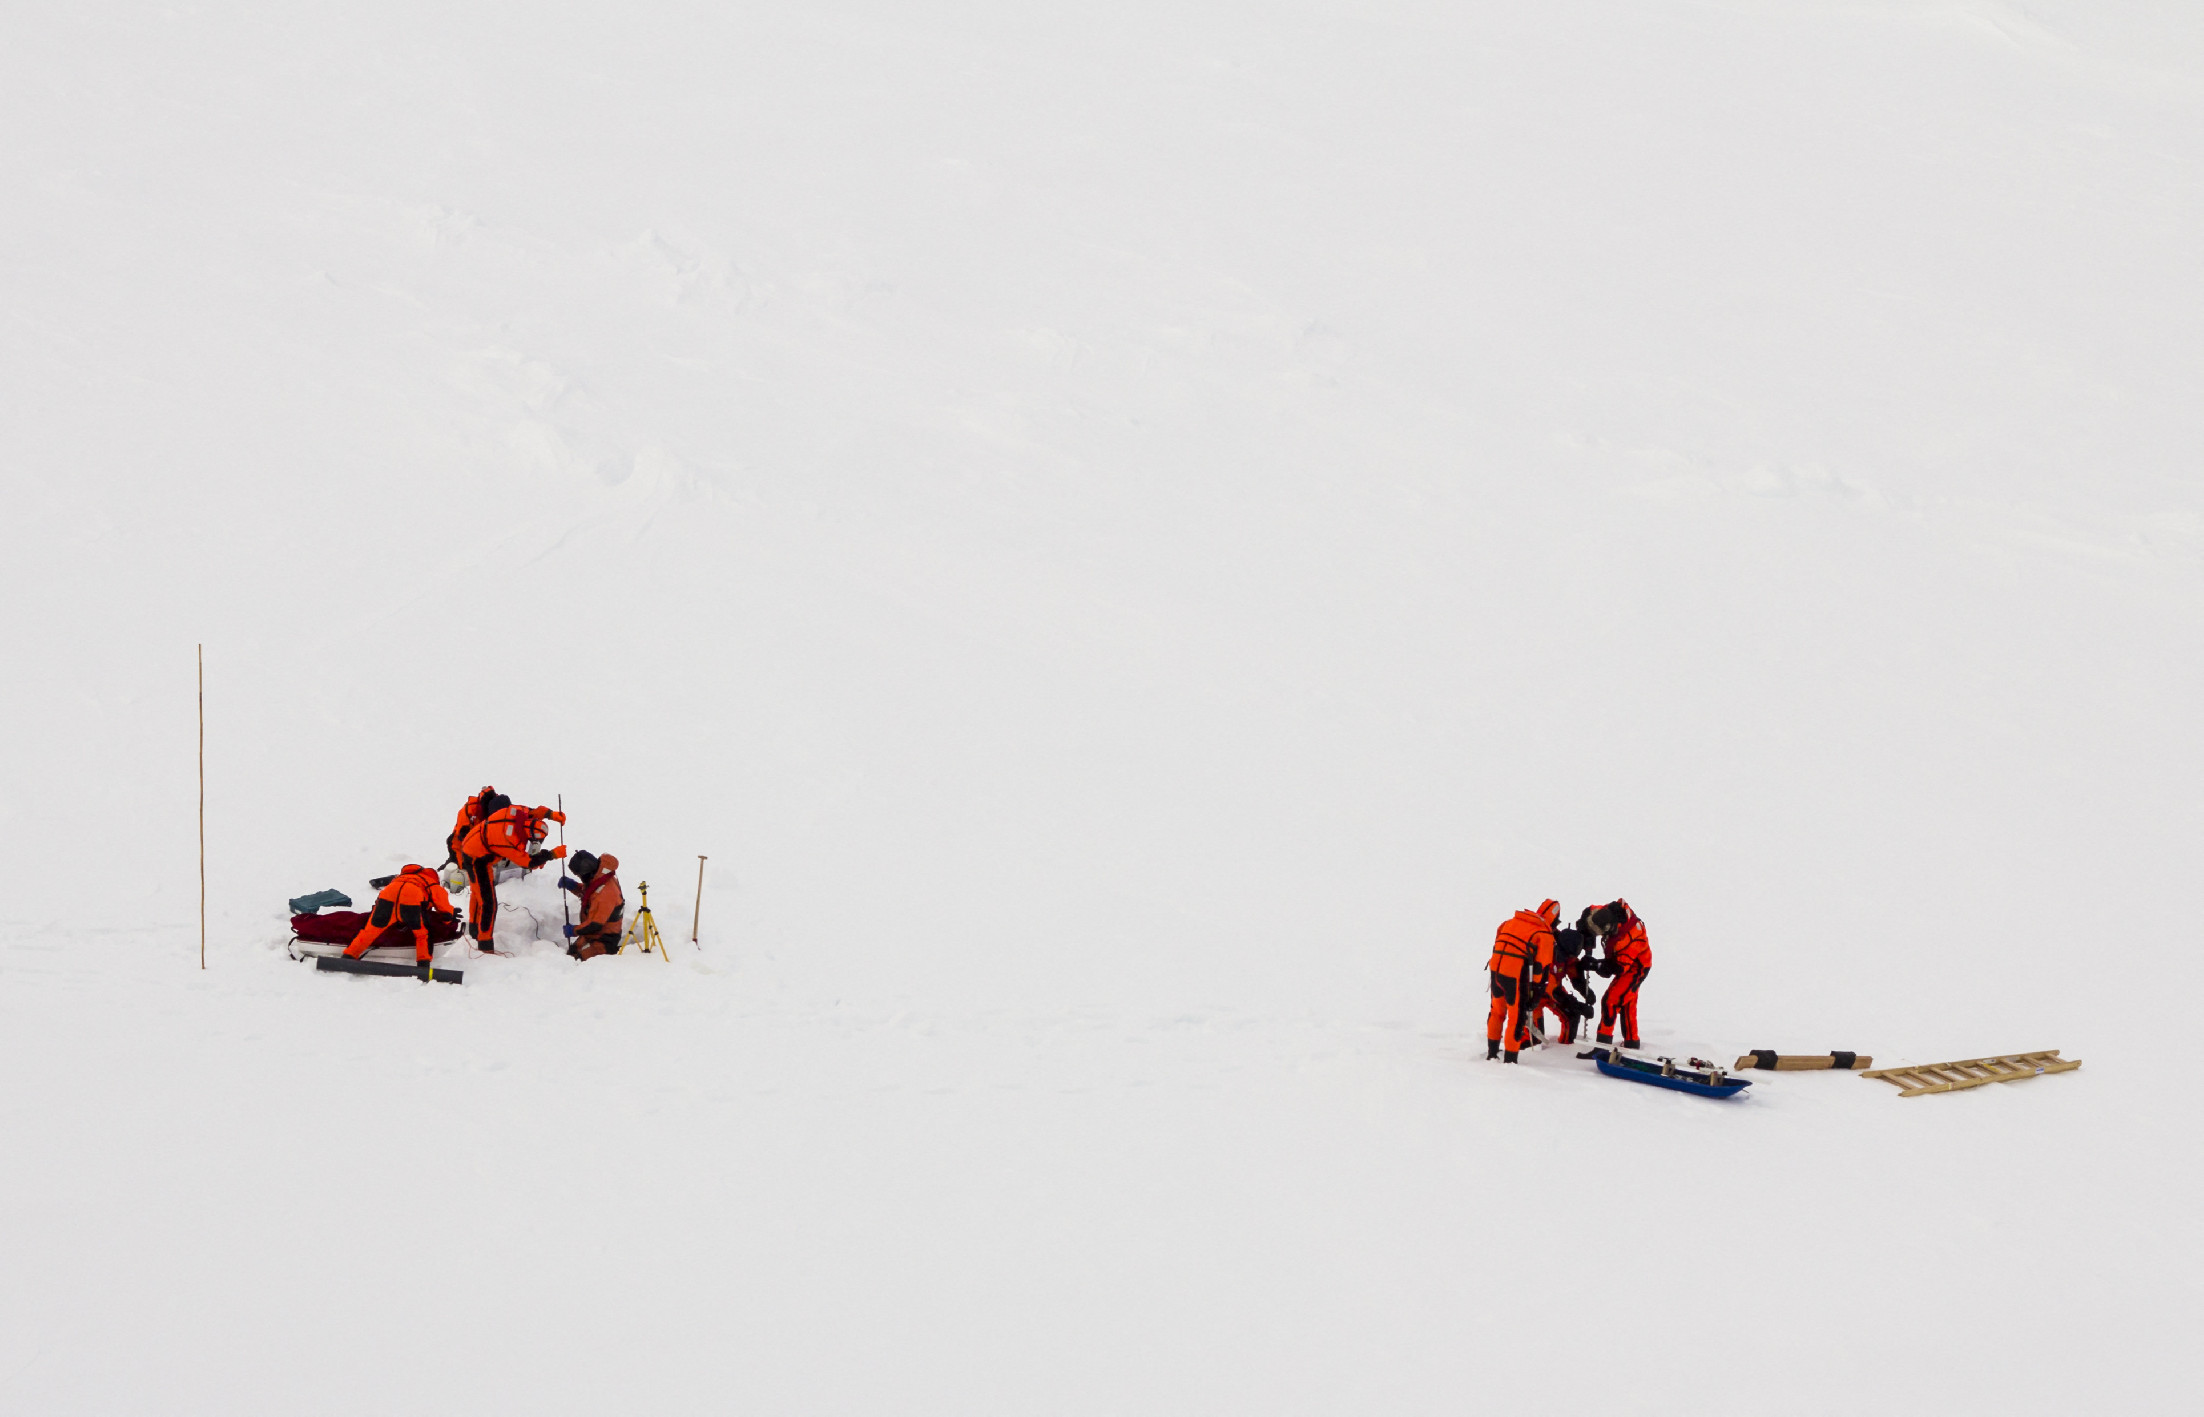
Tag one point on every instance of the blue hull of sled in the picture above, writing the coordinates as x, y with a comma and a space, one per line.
1680, 1084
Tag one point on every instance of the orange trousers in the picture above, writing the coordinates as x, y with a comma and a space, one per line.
1505, 1020
1621, 1001
481, 899
1565, 1007
389, 920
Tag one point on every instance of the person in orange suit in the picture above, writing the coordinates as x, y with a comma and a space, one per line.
602, 903
1568, 994
1629, 960
1523, 948
471, 813
403, 906
505, 834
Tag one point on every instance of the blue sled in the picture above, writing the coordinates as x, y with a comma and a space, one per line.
1698, 1084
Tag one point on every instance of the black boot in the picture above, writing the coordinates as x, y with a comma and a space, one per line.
1507, 1057
1492, 1049
1632, 1043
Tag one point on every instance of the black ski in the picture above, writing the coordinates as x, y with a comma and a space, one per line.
388, 968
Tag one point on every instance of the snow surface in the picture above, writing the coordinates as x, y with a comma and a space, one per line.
1133, 537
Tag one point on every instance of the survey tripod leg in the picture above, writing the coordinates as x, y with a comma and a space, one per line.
644, 928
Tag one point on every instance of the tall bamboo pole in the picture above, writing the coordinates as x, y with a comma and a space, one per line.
202, 806
699, 914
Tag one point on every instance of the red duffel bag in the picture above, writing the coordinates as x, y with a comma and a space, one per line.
337, 927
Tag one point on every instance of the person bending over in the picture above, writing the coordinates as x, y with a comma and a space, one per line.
506, 834
1523, 947
471, 813
403, 906
1568, 993
1629, 960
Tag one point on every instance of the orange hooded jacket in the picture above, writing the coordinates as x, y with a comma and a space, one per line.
511, 832
602, 901
417, 885
1526, 940
1627, 945
470, 815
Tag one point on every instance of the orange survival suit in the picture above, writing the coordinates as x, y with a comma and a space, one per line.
403, 905
1523, 947
1568, 969
507, 833
1629, 959
470, 813
602, 905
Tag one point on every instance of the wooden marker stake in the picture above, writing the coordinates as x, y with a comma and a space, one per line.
202, 806
699, 913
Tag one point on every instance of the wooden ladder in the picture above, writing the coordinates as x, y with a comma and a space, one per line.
1973, 1072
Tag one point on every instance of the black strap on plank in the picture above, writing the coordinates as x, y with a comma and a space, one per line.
1764, 1058
1843, 1060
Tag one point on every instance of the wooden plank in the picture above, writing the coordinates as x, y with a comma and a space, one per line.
1800, 1062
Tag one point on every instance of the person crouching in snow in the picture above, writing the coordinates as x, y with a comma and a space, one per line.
403, 906
595, 881
506, 834
1572, 947
1629, 960
1524, 946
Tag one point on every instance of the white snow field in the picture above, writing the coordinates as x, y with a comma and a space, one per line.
1133, 536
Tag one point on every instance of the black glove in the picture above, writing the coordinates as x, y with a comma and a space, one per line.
537, 859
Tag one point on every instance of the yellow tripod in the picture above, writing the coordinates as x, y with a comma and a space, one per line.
645, 928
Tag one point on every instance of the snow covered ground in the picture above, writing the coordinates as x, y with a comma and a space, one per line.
1133, 538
